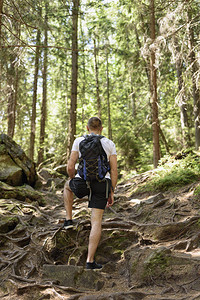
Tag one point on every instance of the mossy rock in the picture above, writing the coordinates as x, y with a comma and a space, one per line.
73, 276
61, 243
16, 168
157, 262
8, 223
148, 264
22, 193
114, 243
65, 247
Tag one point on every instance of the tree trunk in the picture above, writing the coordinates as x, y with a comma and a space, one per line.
164, 141
146, 64
11, 110
108, 98
133, 104
183, 105
83, 95
153, 81
67, 94
33, 117
196, 91
84, 82
44, 94
13, 82
1, 12
74, 76
97, 80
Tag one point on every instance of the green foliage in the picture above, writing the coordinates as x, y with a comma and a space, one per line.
129, 149
122, 30
197, 192
174, 172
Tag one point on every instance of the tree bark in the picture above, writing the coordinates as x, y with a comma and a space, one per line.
164, 141
133, 104
196, 91
13, 82
83, 95
153, 84
67, 95
74, 76
146, 64
108, 97
1, 12
44, 94
84, 81
33, 117
97, 80
11, 109
183, 104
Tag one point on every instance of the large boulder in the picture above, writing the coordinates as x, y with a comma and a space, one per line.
15, 167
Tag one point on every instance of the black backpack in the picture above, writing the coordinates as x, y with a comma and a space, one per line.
93, 163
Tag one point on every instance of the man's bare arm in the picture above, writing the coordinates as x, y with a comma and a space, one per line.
71, 164
113, 170
114, 176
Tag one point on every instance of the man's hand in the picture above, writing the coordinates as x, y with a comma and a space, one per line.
110, 201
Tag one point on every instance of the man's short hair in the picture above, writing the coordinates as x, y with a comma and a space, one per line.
94, 123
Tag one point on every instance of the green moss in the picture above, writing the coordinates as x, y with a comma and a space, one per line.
172, 173
156, 264
197, 191
8, 223
63, 240
21, 193
198, 223
134, 266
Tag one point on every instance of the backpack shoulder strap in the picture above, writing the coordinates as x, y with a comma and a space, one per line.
103, 152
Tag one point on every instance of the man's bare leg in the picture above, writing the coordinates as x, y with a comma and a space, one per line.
95, 233
68, 200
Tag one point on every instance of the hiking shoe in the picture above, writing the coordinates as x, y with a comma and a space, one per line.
93, 265
68, 224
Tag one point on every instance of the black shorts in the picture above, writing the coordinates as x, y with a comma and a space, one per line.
98, 191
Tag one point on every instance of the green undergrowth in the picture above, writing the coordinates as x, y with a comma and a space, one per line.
173, 172
197, 192
156, 264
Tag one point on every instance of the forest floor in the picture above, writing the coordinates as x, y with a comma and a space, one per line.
150, 247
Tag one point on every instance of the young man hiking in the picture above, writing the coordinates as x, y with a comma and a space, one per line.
96, 178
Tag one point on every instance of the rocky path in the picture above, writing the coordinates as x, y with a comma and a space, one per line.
150, 247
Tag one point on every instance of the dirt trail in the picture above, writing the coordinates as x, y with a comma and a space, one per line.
150, 248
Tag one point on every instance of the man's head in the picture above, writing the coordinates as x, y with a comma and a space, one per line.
94, 124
